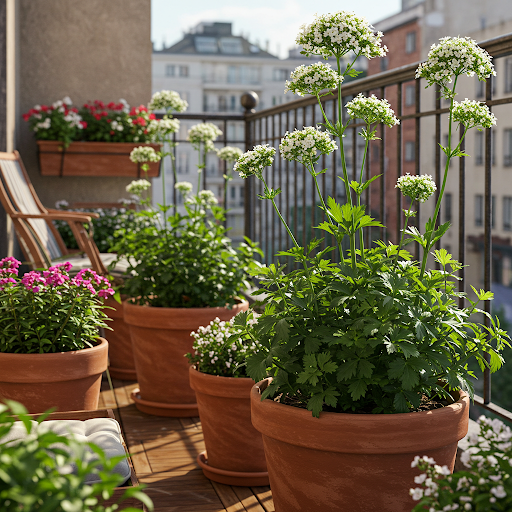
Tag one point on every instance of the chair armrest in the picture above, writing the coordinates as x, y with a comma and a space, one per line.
53, 216
74, 214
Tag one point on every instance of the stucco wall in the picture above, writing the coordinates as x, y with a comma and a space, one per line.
86, 50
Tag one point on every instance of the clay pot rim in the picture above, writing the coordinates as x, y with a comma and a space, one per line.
186, 319
54, 366
239, 302
358, 433
218, 385
49, 355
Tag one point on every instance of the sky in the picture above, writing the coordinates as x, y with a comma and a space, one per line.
275, 21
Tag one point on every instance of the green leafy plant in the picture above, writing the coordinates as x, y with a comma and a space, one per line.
189, 261
50, 311
377, 332
220, 349
484, 486
34, 472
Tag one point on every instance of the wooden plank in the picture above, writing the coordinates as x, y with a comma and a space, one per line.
248, 500
139, 457
264, 495
228, 498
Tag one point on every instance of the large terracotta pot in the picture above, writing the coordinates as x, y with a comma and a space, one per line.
352, 462
234, 448
92, 159
120, 353
70, 381
160, 340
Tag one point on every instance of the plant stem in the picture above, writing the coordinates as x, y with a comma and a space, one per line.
427, 247
312, 172
342, 153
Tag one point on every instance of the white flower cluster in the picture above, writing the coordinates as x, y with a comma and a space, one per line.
455, 56
144, 154
229, 153
203, 132
159, 129
485, 482
43, 125
472, 114
116, 125
253, 162
167, 100
61, 204
418, 188
74, 119
313, 79
138, 186
207, 197
372, 110
303, 145
339, 33
213, 353
185, 187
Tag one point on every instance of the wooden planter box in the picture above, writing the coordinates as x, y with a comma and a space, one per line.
104, 413
92, 159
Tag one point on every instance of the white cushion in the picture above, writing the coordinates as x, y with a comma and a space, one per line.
104, 432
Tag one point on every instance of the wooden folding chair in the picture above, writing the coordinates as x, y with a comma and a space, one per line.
40, 240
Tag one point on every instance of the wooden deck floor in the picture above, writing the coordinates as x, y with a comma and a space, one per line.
164, 452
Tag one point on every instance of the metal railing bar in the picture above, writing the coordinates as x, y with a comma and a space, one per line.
383, 178
494, 408
398, 163
417, 128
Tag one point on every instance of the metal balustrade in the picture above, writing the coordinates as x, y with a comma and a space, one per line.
404, 148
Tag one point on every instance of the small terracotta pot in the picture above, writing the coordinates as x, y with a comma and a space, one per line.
70, 381
120, 353
234, 448
352, 462
160, 340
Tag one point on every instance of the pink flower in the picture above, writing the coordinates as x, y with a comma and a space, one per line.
56, 276
5, 281
31, 280
105, 294
10, 265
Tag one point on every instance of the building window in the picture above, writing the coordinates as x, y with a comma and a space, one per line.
280, 75
480, 87
222, 103
479, 148
447, 207
508, 74
507, 213
182, 163
410, 42
242, 195
183, 71
232, 105
410, 95
384, 64
410, 151
507, 147
479, 210
170, 70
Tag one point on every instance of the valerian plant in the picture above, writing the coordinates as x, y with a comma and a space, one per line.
183, 259
377, 332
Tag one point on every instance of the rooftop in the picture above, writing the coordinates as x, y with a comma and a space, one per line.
215, 38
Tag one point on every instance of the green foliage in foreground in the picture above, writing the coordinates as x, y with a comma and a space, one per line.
33, 475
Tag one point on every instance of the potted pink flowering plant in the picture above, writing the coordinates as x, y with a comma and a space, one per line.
51, 354
363, 357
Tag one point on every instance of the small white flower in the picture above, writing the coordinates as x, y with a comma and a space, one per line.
418, 188
144, 154
253, 162
138, 186
229, 153
167, 100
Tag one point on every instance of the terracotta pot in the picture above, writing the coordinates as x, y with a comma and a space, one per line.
160, 340
234, 448
352, 462
70, 381
92, 159
120, 353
